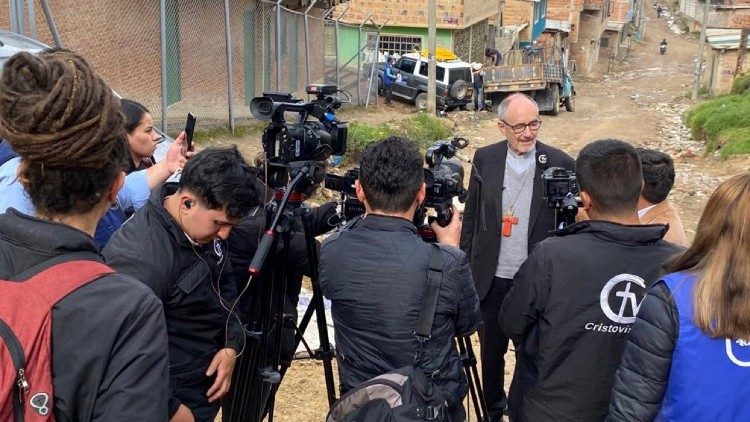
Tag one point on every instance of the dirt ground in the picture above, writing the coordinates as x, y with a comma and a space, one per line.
641, 100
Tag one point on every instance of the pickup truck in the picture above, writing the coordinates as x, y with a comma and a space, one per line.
544, 77
453, 81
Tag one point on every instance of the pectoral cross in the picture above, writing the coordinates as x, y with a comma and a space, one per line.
507, 223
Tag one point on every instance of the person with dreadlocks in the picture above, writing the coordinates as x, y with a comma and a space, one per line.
108, 341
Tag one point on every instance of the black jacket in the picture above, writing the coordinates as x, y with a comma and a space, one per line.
375, 274
570, 310
480, 234
641, 380
152, 247
109, 341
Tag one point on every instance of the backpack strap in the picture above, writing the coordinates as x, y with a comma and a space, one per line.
59, 280
429, 302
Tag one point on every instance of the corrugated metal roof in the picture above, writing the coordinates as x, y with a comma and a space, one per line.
720, 38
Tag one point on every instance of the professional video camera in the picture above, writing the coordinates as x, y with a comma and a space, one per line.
444, 177
561, 193
305, 144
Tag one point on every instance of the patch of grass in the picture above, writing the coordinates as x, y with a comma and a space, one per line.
734, 141
421, 128
741, 84
202, 136
723, 124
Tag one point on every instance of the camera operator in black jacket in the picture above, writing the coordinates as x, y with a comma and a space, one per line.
574, 300
375, 272
175, 245
243, 243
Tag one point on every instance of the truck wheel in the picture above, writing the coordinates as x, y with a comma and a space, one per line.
459, 89
421, 101
555, 99
570, 104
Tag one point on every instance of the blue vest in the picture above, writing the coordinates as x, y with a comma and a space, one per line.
710, 378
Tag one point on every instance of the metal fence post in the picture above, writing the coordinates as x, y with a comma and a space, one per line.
230, 79
359, 60
163, 32
16, 16
51, 24
307, 41
32, 19
336, 43
375, 65
278, 44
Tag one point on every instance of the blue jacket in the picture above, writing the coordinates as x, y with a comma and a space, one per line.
673, 371
133, 195
389, 76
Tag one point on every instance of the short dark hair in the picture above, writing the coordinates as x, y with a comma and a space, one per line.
134, 112
221, 178
610, 171
390, 172
658, 174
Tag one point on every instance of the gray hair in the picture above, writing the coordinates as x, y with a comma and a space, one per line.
502, 110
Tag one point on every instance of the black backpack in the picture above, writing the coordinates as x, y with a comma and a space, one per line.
406, 393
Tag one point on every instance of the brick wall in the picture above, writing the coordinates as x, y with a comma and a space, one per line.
619, 10
517, 12
121, 40
722, 72
452, 14
739, 19
585, 51
4, 14
469, 43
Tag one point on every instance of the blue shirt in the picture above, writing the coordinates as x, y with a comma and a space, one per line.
133, 195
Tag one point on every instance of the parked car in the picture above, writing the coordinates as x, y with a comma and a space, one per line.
12, 43
453, 81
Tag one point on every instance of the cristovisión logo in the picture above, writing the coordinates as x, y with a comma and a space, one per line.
619, 290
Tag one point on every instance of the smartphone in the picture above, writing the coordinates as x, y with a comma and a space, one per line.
189, 129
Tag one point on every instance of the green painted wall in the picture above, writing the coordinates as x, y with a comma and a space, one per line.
348, 45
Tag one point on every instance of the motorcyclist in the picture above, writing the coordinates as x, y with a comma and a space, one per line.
663, 46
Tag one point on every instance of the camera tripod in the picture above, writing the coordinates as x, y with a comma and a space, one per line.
260, 369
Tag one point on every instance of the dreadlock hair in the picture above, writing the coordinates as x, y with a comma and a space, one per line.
67, 126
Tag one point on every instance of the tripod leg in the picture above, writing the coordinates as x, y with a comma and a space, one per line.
475, 375
326, 353
469, 378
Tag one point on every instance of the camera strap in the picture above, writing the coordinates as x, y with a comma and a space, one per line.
423, 331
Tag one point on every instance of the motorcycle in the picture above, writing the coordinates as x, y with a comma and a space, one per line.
662, 48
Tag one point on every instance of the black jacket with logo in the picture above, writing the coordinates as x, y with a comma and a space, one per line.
570, 311
109, 342
152, 247
375, 275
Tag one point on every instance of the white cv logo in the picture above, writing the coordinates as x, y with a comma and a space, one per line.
626, 295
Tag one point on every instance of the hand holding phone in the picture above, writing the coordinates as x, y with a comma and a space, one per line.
189, 129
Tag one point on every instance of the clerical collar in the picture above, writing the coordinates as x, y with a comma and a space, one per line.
520, 163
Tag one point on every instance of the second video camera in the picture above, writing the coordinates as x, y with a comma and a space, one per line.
289, 144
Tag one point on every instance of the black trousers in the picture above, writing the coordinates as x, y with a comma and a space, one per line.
493, 345
388, 93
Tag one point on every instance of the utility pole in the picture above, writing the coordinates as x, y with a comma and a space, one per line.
699, 54
431, 47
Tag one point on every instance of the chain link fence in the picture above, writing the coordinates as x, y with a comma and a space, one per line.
207, 57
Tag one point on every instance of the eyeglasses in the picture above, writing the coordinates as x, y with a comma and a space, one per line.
519, 128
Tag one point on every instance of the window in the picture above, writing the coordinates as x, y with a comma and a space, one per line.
397, 44
406, 65
459, 73
439, 71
